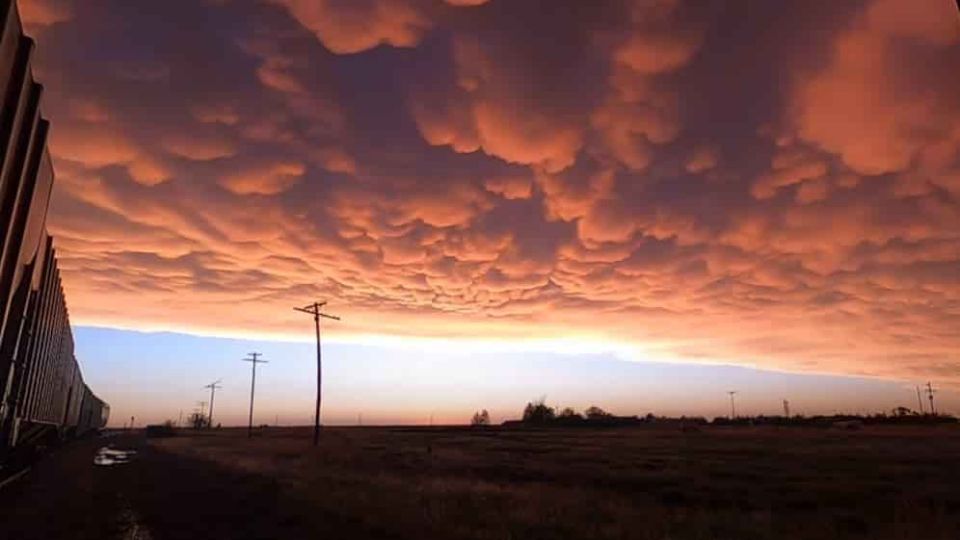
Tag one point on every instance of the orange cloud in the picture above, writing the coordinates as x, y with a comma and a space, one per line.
352, 27
510, 187
198, 147
865, 109
656, 173
264, 180
701, 160
36, 14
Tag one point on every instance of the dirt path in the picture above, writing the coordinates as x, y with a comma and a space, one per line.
155, 496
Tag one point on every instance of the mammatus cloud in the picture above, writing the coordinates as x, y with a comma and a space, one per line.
772, 186
354, 26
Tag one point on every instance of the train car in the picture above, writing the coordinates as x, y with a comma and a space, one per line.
42, 392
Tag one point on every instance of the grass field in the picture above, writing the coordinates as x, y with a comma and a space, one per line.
657, 483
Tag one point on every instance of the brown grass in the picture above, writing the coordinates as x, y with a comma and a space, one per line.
737, 483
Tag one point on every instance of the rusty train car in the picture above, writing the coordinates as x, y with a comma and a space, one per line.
42, 392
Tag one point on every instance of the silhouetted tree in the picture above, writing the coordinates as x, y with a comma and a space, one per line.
480, 418
537, 412
197, 420
596, 413
568, 412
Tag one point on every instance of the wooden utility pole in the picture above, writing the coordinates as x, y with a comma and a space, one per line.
214, 386
930, 391
314, 309
733, 407
254, 360
203, 413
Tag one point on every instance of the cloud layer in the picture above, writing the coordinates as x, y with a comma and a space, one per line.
774, 185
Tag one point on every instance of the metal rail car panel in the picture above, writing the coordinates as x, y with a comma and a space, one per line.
41, 385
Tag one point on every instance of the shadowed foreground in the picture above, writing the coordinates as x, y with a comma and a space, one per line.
657, 483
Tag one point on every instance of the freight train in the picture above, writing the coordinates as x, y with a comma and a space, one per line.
42, 393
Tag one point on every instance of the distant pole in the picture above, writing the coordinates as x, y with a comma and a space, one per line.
254, 359
314, 309
733, 407
214, 386
180, 419
930, 391
920, 401
786, 408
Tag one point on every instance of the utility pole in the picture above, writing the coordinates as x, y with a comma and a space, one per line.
733, 407
920, 401
214, 386
254, 359
180, 418
930, 391
786, 408
314, 309
203, 412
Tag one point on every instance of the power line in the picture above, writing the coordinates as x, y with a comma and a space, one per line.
314, 309
254, 360
214, 386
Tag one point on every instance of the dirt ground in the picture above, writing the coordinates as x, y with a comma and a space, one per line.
646, 483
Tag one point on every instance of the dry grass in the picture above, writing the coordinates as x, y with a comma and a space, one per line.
737, 483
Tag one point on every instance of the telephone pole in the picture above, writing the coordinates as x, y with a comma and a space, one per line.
920, 401
786, 408
254, 359
733, 407
314, 309
203, 414
214, 386
930, 391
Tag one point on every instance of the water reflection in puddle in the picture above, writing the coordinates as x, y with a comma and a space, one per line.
108, 455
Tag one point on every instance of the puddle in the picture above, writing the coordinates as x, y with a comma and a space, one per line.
108, 455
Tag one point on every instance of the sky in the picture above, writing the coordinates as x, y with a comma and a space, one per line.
770, 185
